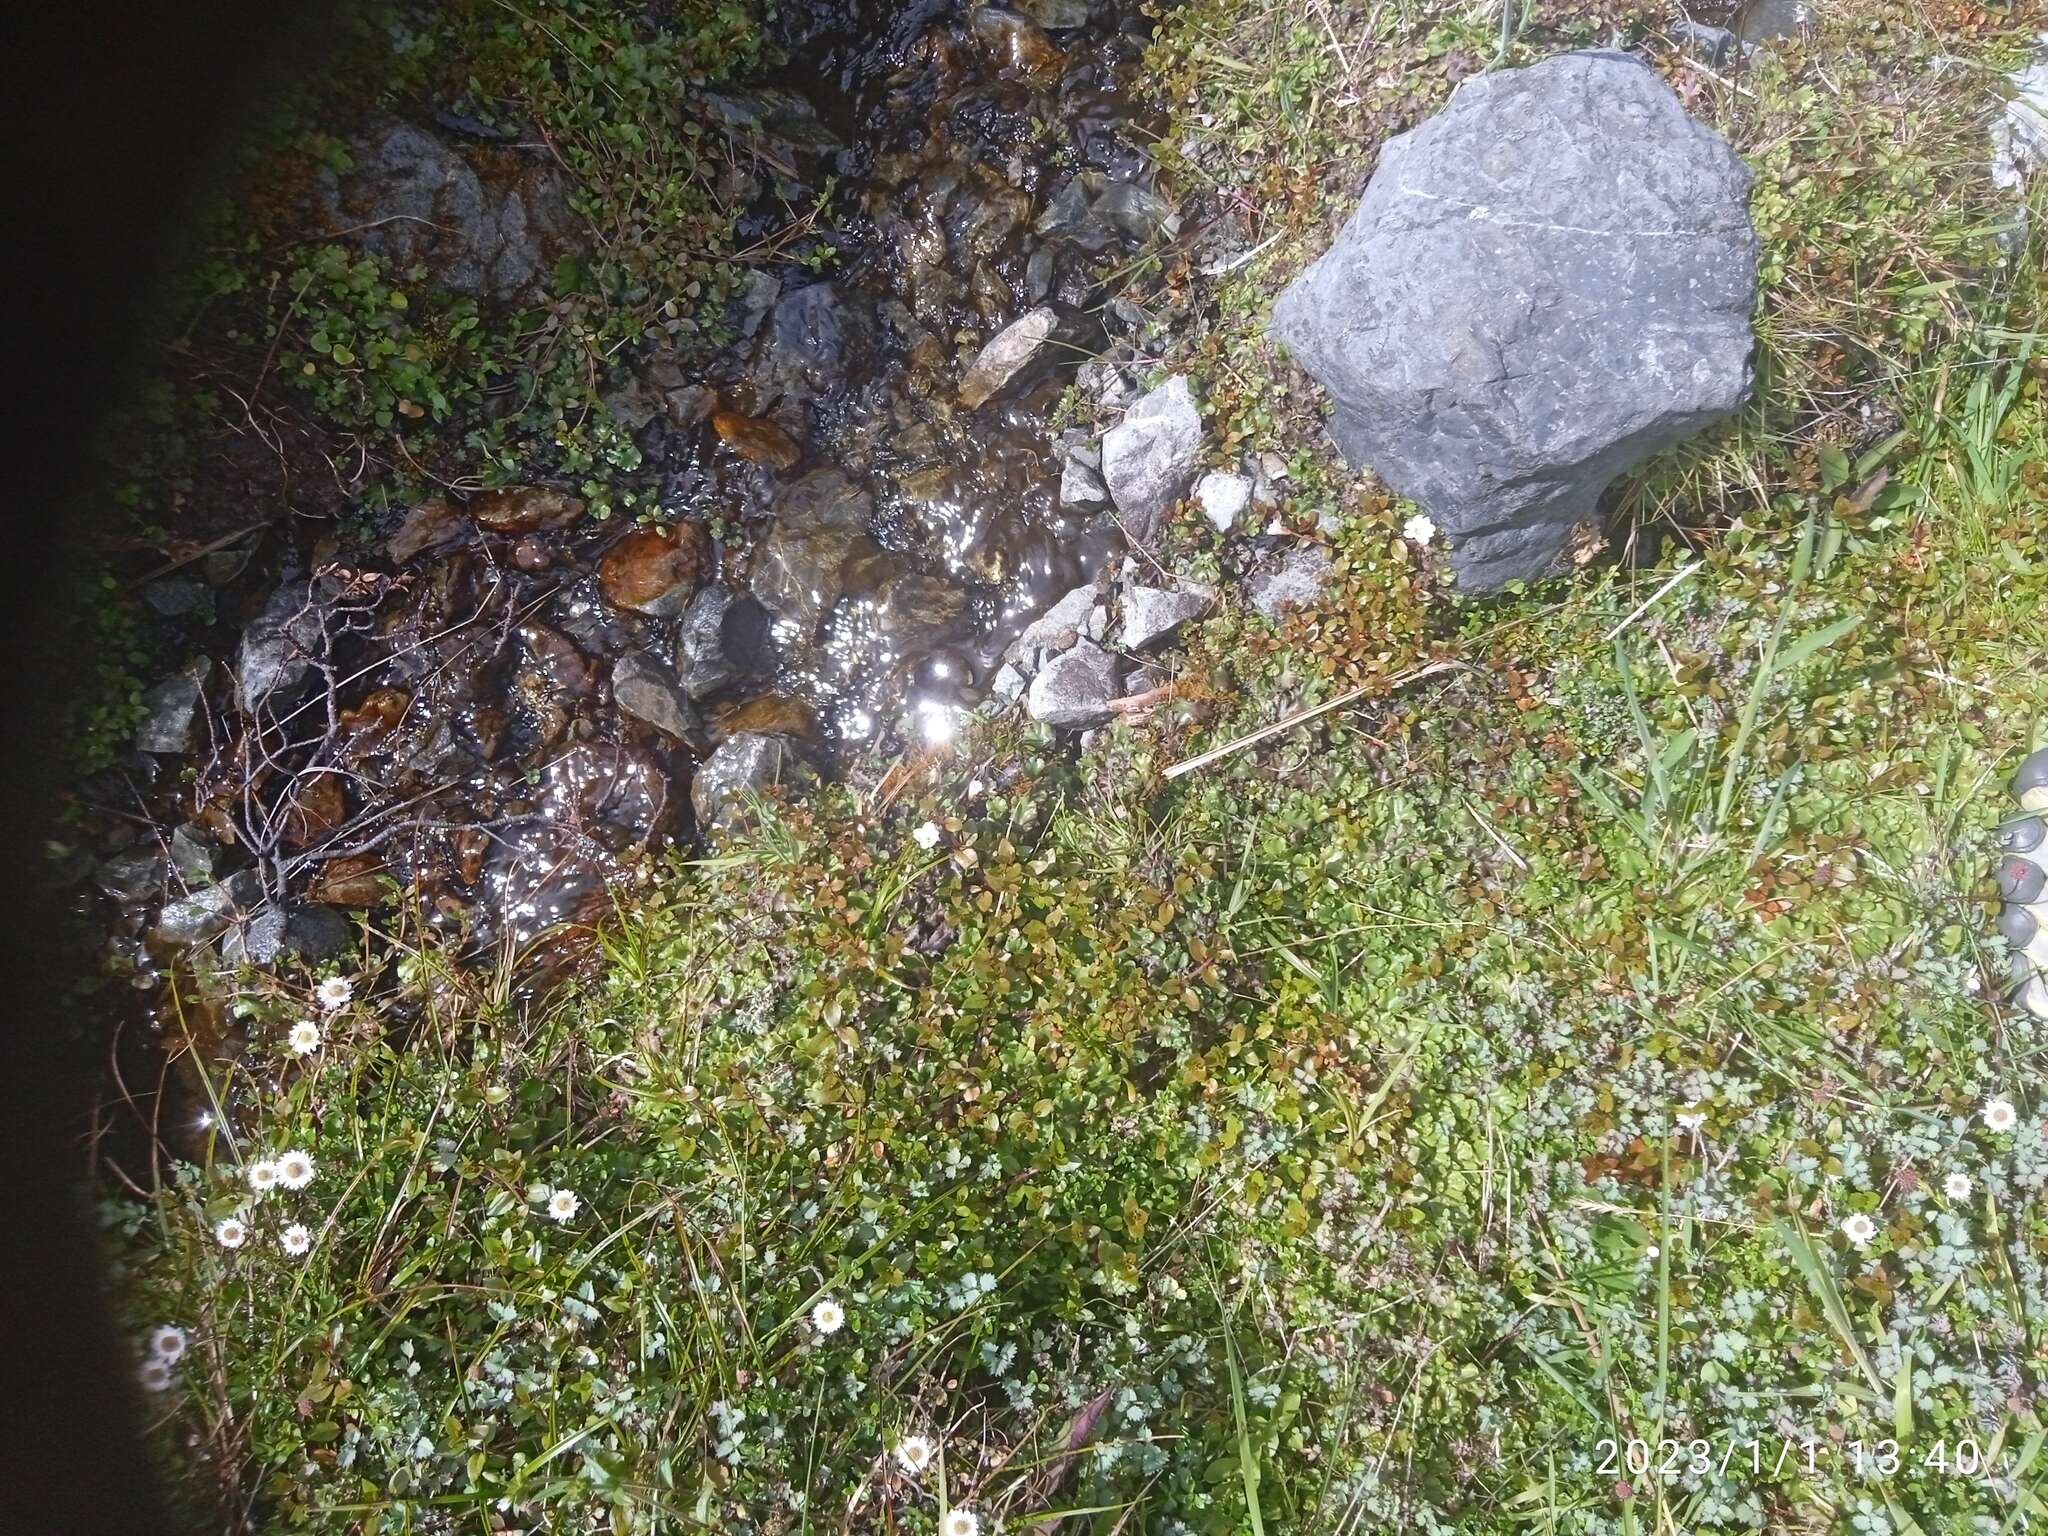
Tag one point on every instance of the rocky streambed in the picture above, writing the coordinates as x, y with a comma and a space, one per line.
866, 525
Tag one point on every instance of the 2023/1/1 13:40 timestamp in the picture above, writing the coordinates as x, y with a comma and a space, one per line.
1785, 1455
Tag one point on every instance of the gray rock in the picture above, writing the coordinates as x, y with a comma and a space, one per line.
176, 596
1713, 45
493, 228
194, 855
642, 688
1545, 283
1081, 486
1153, 613
271, 933
2019, 139
812, 342
1294, 582
724, 637
281, 644
209, 913
744, 766
1224, 497
258, 939
172, 709
315, 933
1060, 623
1009, 683
1008, 353
1758, 21
1075, 688
799, 570
1056, 15
1148, 458
136, 874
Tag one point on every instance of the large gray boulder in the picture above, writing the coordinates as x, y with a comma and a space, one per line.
1545, 283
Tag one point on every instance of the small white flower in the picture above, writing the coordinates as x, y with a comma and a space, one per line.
1999, 1115
926, 836
1859, 1229
1691, 1118
335, 992
1652, 1251
1419, 529
976, 789
304, 1038
562, 1204
960, 1522
295, 1239
1958, 1186
914, 1453
167, 1343
295, 1169
262, 1175
828, 1316
155, 1374
231, 1232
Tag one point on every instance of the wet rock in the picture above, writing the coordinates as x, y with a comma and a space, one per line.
171, 710
1713, 45
281, 643
490, 223
763, 289
1007, 354
798, 569
316, 807
813, 340
1016, 43
757, 440
533, 554
437, 520
1009, 683
258, 939
194, 855
1134, 212
272, 934
524, 509
617, 794
769, 714
316, 933
209, 913
1074, 689
1224, 497
1545, 283
919, 611
134, 875
1081, 485
2030, 783
1056, 15
1153, 613
1295, 581
580, 612
1148, 458
724, 638
655, 570
642, 688
742, 768
355, 880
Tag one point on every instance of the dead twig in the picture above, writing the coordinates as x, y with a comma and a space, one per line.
1303, 716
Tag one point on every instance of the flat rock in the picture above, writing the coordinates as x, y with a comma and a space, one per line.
1545, 283
209, 913
281, 644
1081, 485
1148, 458
1295, 581
1007, 354
655, 570
1153, 613
1223, 497
1074, 689
1060, 623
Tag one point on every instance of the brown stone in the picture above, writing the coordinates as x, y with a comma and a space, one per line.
317, 807
371, 720
757, 440
524, 509
772, 714
654, 570
434, 521
354, 881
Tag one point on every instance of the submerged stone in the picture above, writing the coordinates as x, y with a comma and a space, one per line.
799, 568
1007, 354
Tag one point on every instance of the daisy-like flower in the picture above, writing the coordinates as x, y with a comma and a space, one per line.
155, 1374
1691, 1118
1958, 1185
294, 1169
167, 1343
295, 1239
1999, 1115
335, 992
1419, 529
926, 836
562, 1204
262, 1175
231, 1232
304, 1038
914, 1453
960, 1522
1859, 1229
828, 1316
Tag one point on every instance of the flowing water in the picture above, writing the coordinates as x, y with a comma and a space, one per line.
513, 702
